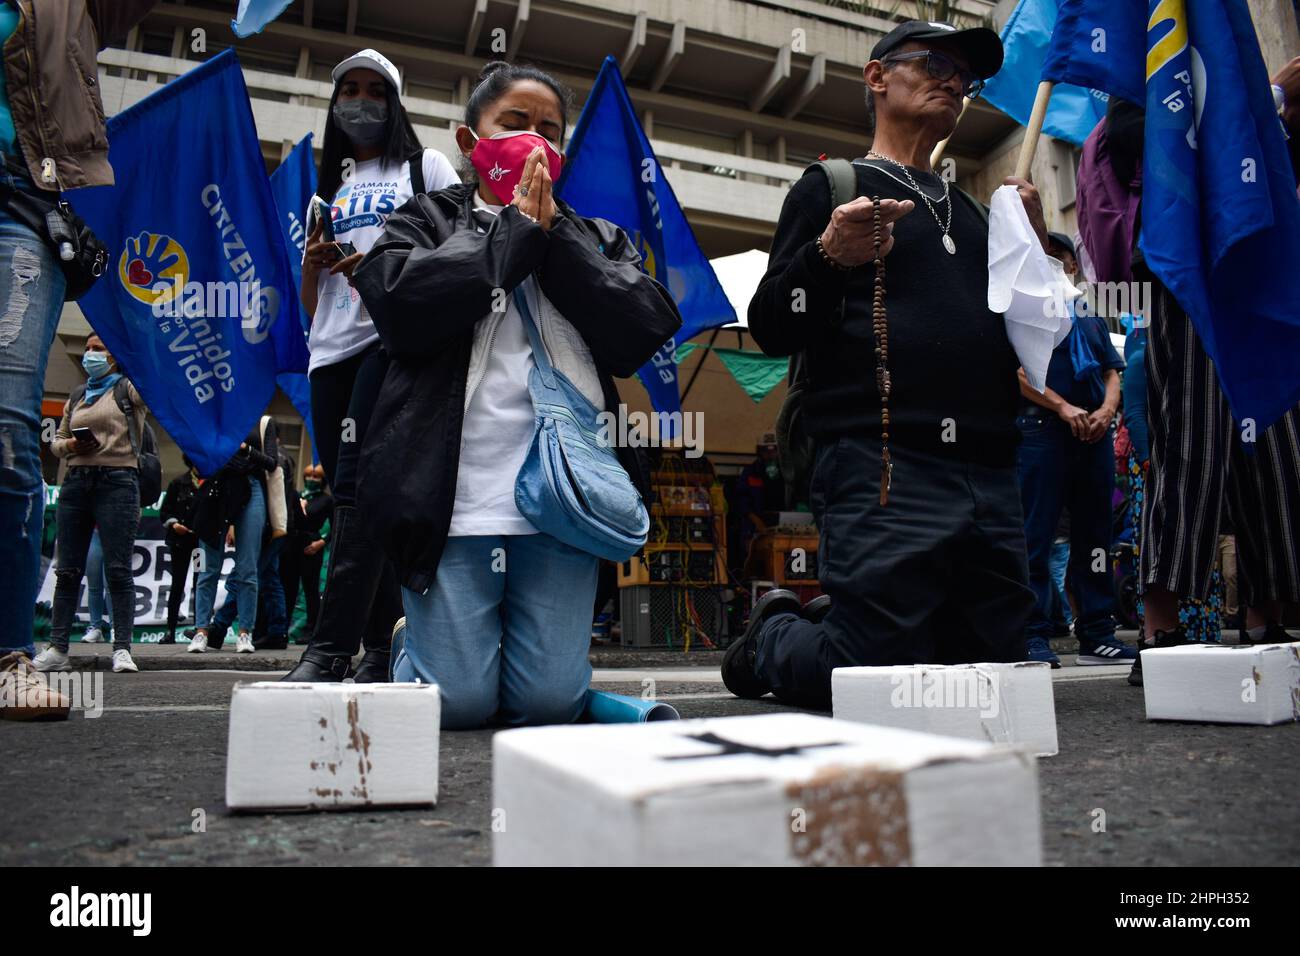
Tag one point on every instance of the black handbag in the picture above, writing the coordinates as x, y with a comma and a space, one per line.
80, 254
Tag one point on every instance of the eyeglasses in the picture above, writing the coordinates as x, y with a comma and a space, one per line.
942, 68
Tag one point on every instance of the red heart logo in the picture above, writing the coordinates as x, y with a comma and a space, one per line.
137, 274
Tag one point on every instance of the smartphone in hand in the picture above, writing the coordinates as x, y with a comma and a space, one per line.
339, 250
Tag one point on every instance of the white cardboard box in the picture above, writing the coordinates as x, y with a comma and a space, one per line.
999, 703
774, 789
332, 746
1223, 683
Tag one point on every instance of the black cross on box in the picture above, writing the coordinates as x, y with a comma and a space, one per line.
732, 747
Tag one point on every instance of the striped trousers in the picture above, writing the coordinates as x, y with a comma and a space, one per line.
1199, 466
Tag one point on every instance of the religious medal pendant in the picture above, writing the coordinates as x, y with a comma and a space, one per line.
886, 476
949, 244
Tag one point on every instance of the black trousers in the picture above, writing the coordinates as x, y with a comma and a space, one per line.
936, 576
342, 397
179, 554
110, 499
298, 569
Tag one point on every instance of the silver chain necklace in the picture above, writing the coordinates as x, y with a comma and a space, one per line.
945, 224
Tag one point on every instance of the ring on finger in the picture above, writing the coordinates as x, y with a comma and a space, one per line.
522, 190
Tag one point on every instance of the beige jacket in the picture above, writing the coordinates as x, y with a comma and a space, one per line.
106, 420
53, 86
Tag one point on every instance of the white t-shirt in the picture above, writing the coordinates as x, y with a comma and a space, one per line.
498, 425
341, 326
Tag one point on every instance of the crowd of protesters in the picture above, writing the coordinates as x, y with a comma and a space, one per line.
933, 551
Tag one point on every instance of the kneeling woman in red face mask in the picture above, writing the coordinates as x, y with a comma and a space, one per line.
498, 614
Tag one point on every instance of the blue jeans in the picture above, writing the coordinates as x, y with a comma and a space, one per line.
109, 498
1060, 560
270, 595
504, 631
1057, 470
97, 586
243, 579
31, 298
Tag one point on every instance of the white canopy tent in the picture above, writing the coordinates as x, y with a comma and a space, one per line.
740, 275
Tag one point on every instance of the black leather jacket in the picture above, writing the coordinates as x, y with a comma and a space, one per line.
430, 278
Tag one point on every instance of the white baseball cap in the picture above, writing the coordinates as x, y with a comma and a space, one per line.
371, 60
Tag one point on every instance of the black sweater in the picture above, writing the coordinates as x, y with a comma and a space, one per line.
949, 356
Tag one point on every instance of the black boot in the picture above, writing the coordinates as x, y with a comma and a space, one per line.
355, 568
170, 636
384, 614
373, 668
1175, 639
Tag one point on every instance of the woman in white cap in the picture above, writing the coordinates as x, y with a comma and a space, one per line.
370, 165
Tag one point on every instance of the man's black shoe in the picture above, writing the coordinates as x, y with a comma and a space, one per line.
1273, 634
268, 643
738, 663
169, 637
1162, 639
817, 608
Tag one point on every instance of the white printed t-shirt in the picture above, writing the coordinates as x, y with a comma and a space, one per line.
341, 326
499, 419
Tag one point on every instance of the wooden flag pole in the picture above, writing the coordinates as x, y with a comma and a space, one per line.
1034, 129
937, 152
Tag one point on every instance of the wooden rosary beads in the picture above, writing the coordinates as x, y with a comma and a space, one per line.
880, 328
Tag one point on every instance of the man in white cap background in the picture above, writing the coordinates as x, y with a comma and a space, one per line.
371, 164
912, 410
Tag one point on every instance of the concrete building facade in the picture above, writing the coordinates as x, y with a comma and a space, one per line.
737, 97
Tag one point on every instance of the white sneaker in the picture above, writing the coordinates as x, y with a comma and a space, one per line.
198, 644
122, 662
93, 635
245, 644
52, 659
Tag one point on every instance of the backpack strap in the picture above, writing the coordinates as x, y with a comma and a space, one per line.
122, 395
416, 162
842, 179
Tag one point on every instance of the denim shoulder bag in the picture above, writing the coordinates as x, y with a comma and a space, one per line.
571, 485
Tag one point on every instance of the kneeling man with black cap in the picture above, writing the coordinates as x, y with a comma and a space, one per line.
922, 551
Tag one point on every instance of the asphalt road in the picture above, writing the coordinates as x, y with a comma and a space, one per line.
123, 789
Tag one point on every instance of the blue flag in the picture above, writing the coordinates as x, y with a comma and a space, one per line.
612, 173
1099, 45
1220, 215
253, 15
196, 305
292, 185
1073, 110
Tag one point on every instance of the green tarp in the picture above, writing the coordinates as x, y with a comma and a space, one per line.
755, 372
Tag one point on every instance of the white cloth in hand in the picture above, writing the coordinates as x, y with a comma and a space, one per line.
1027, 285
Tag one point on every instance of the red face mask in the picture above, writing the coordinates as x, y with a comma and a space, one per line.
499, 159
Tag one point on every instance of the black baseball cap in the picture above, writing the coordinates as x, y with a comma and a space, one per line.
1062, 240
983, 47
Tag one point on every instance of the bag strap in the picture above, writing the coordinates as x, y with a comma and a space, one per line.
416, 163
842, 178
122, 395
75, 398
534, 337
